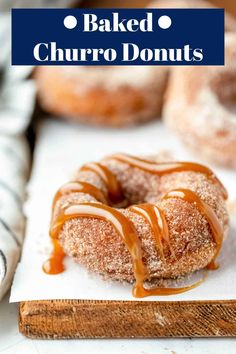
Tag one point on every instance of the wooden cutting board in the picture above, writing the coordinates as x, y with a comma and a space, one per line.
58, 319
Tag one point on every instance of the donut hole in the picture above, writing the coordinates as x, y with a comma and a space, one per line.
127, 202
137, 188
225, 89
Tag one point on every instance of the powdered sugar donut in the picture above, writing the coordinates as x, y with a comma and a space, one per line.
201, 107
114, 96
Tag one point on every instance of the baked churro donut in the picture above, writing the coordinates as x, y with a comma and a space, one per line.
106, 96
134, 220
230, 22
201, 107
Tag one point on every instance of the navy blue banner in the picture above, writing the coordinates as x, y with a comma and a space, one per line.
118, 37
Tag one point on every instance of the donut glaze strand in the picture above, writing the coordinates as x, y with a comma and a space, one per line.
164, 168
157, 221
123, 226
80, 187
55, 264
208, 212
115, 194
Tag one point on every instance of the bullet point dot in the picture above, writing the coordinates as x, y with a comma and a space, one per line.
164, 22
70, 22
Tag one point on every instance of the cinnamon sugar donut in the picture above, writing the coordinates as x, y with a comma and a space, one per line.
132, 219
201, 107
230, 22
106, 96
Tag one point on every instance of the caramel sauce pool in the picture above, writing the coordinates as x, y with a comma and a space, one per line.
123, 226
55, 264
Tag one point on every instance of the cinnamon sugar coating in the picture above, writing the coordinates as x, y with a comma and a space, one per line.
230, 22
96, 245
201, 107
114, 96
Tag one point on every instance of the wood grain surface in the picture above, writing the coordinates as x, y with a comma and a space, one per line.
58, 319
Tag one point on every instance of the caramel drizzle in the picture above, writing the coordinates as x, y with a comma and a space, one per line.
80, 187
208, 212
115, 194
157, 221
164, 168
124, 226
55, 264
127, 232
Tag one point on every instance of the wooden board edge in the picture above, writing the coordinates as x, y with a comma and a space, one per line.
71, 319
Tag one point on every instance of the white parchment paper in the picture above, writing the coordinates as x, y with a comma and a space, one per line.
61, 148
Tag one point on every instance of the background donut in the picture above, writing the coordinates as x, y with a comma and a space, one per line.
106, 96
110, 96
200, 107
230, 22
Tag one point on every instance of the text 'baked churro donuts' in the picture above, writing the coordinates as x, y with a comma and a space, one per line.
137, 220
